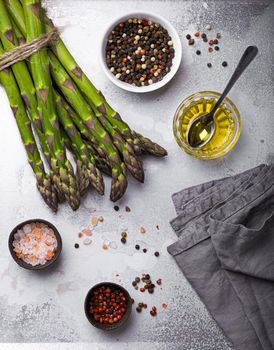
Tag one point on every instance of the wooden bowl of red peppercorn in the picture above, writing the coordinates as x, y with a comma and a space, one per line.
108, 306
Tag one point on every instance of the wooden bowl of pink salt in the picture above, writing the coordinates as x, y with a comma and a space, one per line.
35, 244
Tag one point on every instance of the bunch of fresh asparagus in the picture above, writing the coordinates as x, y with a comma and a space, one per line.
51, 96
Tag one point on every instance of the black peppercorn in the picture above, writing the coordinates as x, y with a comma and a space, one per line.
76, 245
209, 65
137, 247
188, 36
217, 48
116, 208
144, 250
157, 254
224, 64
123, 240
198, 52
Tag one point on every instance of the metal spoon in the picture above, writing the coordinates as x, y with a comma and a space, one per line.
202, 129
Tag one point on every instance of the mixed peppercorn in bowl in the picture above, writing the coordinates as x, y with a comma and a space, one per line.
141, 52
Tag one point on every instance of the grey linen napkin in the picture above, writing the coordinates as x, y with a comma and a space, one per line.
226, 251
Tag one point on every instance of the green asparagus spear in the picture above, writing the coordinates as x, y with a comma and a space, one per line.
44, 181
81, 173
84, 158
61, 166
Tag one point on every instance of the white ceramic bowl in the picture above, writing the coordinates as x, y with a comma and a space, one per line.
175, 62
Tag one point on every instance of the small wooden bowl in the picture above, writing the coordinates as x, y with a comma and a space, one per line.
124, 319
22, 263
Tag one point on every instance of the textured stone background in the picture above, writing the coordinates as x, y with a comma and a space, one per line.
48, 306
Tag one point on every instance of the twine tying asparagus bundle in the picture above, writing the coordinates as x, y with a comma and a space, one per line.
52, 95
25, 50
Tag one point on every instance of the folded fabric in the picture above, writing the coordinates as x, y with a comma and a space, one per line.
226, 251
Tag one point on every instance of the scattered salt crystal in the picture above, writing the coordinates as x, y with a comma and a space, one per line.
94, 221
87, 241
105, 246
142, 229
123, 227
87, 232
113, 245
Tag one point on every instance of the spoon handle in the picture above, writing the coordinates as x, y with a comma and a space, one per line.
248, 56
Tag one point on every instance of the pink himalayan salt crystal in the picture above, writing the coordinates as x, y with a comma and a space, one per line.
87, 232
87, 241
35, 244
94, 221
105, 246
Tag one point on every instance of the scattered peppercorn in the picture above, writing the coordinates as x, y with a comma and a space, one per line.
144, 250
203, 36
159, 281
107, 305
134, 283
124, 234
211, 42
127, 209
224, 64
138, 309
158, 227
153, 311
209, 65
215, 41
157, 254
137, 247
210, 49
76, 245
142, 290
116, 208
191, 42
217, 48
218, 35
188, 36
198, 52
137, 279
123, 240
197, 34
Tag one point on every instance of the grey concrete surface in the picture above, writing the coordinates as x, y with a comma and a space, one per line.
47, 307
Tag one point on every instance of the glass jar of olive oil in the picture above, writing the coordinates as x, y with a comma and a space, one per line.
227, 122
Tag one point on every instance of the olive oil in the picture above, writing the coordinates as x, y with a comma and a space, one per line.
224, 124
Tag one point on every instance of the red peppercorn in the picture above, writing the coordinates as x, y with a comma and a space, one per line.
197, 34
210, 49
153, 313
159, 281
142, 290
142, 52
211, 42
